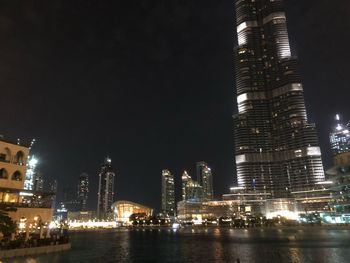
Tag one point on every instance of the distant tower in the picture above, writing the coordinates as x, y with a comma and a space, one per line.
340, 142
191, 190
83, 191
53, 189
38, 182
184, 179
340, 137
200, 166
168, 193
207, 184
105, 195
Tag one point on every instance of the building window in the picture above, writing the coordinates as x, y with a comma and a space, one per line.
3, 174
17, 176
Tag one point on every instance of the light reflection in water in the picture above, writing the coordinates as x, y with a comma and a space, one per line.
203, 245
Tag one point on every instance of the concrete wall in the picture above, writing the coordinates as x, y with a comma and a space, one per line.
20, 252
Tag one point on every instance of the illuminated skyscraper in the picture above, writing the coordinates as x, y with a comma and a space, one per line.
105, 195
38, 182
340, 137
168, 193
191, 190
276, 148
207, 184
83, 191
185, 178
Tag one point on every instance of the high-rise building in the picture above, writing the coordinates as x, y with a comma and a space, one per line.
83, 191
105, 195
168, 193
340, 137
205, 179
276, 148
53, 189
38, 181
191, 190
200, 166
185, 178
207, 184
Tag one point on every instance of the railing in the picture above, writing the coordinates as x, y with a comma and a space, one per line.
9, 205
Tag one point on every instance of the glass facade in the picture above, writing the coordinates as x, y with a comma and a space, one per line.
340, 137
205, 179
168, 193
276, 148
105, 195
83, 191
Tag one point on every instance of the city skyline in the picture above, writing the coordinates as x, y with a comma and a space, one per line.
78, 104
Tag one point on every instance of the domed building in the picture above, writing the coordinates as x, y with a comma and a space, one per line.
124, 209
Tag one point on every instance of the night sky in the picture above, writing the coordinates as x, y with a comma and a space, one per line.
150, 83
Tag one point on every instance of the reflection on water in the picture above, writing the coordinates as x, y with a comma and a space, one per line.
204, 245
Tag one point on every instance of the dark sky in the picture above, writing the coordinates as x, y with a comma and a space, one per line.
151, 83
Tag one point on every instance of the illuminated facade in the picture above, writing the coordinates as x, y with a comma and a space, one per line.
276, 148
168, 193
340, 138
105, 195
83, 191
207, 184
191, 190
38, 181
30, 173
26, 207
124, 209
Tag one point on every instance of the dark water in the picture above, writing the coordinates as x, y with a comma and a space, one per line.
204, 245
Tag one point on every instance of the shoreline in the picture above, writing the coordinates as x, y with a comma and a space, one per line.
32, 251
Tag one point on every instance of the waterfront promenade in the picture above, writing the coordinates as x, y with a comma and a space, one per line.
200, 244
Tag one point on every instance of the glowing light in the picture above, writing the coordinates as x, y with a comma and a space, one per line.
175, 225
313, 151
53, 225
25, 194
283, 213
92, 224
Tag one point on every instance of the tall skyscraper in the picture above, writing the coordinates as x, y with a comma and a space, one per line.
191, 190
200, 166
205, 179
340, 137
207, 184
53, 189
276, 148
168, 193
83, 191
185, 178
105, 195
38, 181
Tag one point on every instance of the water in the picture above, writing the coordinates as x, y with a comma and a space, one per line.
294, 245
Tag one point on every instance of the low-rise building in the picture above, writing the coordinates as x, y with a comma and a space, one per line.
26, 207
124, 209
